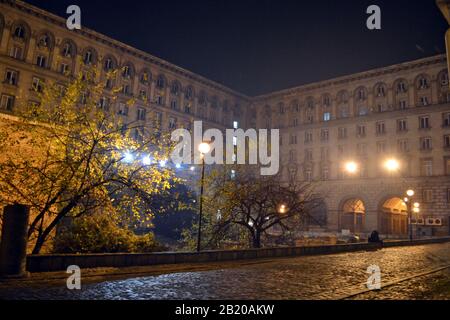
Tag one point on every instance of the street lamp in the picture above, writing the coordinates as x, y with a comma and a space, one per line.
392, 165
351, 167
203, 148
409, 204
282, 209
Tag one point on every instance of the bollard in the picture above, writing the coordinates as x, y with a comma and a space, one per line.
13, 246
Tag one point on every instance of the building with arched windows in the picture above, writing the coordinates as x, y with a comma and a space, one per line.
399, 112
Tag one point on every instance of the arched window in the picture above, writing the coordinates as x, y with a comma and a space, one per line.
189, 93
145, 77
342, 96
109, 63
443, 78
127, 71
68, 49
175, 88
89, 56
202, 98
326, 100
214, 102
45, 41
422, 82
295, 106
380, 90
161, 82
20, 32
401, 86
361, 94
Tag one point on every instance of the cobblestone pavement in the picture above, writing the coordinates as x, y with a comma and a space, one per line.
310, 277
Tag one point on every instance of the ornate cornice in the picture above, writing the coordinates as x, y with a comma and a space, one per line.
355, 77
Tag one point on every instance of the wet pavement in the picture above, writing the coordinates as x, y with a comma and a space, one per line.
310, 277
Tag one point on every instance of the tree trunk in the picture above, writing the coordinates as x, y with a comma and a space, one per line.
257, 239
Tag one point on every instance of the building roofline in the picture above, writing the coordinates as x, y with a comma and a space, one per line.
87, 32
371, 73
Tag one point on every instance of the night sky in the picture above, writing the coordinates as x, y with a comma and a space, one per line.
259, 46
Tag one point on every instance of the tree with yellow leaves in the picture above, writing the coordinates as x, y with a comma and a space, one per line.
68, 156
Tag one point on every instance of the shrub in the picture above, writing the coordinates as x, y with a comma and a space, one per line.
101, 234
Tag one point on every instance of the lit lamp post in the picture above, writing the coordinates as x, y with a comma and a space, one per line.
409, 204
203, 148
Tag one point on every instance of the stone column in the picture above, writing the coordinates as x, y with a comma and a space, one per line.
13, 246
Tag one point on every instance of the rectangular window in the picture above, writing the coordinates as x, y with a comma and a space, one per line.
11, 77
325, 174
424, 122
7, 102
402, 125
361, 131
37, 84
41, 61
447, 141
324, 154
447, 165
103, 103
446, 119
158, 119
381, 147
342, 133
235, 125
324, 135
143, 94
426, 167
187, 108
380, 128
426, 144
172, 123
427, 195
361, 149
402, 105
141, 114
341, 150
308, 155
174, 105
423, 101
403, 146
326, 116
123, 109
16, 53
64, 68
159, 100
308, 137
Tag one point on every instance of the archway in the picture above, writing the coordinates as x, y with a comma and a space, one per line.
394, 217
353, 215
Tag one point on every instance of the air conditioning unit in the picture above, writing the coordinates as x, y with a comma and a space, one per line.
433, 221
417, 221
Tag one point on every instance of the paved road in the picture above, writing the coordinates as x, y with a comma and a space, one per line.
313, 277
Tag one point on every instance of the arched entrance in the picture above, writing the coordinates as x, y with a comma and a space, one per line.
394, 217
353, 215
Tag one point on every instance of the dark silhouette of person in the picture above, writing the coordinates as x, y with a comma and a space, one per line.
375, 237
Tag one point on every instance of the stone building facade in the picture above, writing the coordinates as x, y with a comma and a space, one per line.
36, 47
399, 113
340, 134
